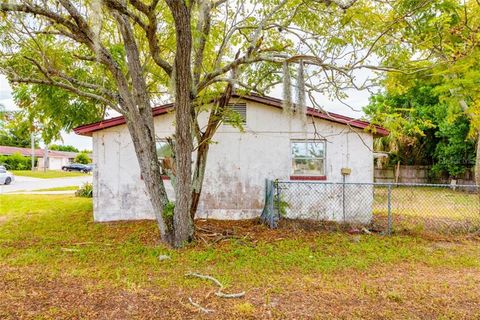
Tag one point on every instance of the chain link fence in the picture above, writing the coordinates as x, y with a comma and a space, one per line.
377, 207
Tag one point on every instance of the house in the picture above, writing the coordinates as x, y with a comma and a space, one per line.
56, 159
273, 145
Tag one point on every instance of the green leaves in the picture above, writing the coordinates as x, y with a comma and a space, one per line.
15, 130
424, 130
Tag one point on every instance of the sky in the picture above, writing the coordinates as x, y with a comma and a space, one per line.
356, 99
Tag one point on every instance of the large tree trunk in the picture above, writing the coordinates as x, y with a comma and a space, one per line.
204, 146
183, 224
198, 177
464, 106
139, 119
143, 136
477, 162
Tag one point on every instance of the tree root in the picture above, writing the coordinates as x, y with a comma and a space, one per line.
219, 292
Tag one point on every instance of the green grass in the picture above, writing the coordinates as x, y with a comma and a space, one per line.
54, 237
44, 224
47, 174
429, 202
67, 188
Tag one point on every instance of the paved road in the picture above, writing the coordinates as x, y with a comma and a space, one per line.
27, 183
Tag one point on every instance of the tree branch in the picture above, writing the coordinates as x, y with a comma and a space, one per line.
70, 88
203, 28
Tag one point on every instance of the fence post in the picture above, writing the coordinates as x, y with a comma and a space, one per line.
343, 199
277, 187
389, 226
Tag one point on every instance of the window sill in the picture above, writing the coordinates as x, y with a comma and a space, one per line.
309, 178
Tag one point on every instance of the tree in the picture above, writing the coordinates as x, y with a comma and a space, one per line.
423, 129
445, 37
15, 130
82, 158
54, 110
123, 55
63, 148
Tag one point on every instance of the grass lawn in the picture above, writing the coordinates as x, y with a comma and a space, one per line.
67, 188
47, 174
430, 209
56, 263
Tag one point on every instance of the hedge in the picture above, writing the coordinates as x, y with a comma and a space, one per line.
16, 162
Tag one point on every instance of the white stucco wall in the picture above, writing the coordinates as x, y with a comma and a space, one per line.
54, 163
238, 164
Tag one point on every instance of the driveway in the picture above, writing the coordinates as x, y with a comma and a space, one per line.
28, 183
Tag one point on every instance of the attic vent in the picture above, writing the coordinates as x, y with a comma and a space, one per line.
238, 113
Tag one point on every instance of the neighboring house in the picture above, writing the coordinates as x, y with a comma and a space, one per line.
56, 159
274, 145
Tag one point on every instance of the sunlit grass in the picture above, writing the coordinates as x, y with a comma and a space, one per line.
55, 234
429, 203
67, 188
47, 174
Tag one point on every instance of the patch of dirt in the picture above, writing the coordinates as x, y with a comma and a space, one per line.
404, 291
211, 232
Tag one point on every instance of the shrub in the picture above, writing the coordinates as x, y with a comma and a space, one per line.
82, 158
85, 191
16, 162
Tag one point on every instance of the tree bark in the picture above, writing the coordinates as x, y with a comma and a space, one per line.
141, 130
204, 146
477, 162
464, 106
198, 177
182, 222
139, 119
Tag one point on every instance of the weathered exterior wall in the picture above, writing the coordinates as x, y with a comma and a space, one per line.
238, 164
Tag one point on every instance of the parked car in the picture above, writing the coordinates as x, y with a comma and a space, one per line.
5, 176
77, 167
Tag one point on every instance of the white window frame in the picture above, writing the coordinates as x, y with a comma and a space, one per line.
158, 156
324, 158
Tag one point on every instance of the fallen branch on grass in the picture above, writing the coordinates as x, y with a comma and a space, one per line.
205, 277
219, 292
229, 295
69, 250
199, 307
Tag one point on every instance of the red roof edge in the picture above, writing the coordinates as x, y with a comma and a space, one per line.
88, 129
329, 116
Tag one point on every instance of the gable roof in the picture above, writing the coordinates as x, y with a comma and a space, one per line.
27, 152
88, 129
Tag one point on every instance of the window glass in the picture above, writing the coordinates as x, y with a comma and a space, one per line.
308, 158
165, 156
164, 150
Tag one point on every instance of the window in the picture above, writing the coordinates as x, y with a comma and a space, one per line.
165, 156
236, 114
308, 158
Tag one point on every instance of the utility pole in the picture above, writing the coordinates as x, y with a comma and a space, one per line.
45, 159
32, 137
